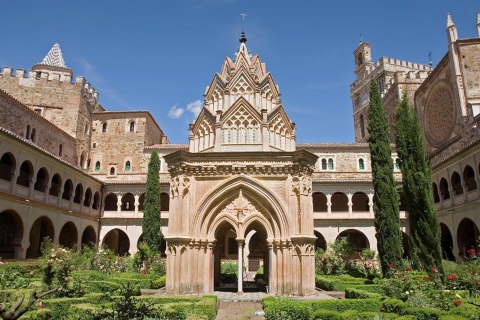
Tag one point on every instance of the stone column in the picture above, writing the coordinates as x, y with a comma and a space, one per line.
241, 243
119, 203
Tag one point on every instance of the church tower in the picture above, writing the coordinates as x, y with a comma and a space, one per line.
242, 110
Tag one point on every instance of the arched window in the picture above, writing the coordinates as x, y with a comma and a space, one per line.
27, 134
112, 171
104, 127
330, 164
132, 126
33, 135
127, 166
60, 150
324, 164
361, 164
444, 189
397, 164
97, 166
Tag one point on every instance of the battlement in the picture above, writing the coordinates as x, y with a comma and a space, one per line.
401, 63
60, 76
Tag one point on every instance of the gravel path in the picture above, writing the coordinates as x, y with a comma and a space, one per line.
239, 310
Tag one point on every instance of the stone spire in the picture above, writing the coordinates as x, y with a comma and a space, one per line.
451, 30
54, 57
478, 24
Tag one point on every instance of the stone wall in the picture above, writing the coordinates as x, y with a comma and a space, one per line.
53, 95
15, 117
469, 52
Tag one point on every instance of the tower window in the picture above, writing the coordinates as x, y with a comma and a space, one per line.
397, 164
27, 135
330, 164
361, 164
324, 164
104, 127
97, 166
112, 171
33, 135
60, 150
127, 166
132, 126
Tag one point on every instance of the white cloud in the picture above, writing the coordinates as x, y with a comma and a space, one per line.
195, 107
175, 112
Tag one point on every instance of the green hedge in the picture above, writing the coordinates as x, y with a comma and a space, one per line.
337, 283
38, 314
159, 282
284, 308
357, 293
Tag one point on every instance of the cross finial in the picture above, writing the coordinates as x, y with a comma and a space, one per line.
243, 14
361, 38
430, 57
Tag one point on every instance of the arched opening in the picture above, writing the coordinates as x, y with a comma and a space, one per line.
112, 171
117, 241
88, 198
67, 190
89, 237
127, 166
456, 184
27, 133
111, 202
320, 243
68, 235
60, 150
467, 236
361, 164
164, 202
436, 196
96, 201
26, 174
104, 127
358, 241
469, 178
401, 198
323, 164
360, 202
55, 185
97, 166
83, 160
319, 202
33, 135
339, 202
132, 126
444, 189
41, 182
7, 166
78, 194
446, 242
11, 233
128, 202
397, 164
141, 201
41, 228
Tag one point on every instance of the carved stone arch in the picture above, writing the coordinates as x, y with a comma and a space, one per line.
217, 224
257, 219
215, 200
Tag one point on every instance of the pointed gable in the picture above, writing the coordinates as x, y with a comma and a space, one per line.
241, 110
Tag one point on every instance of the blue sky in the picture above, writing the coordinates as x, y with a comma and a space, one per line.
161, 55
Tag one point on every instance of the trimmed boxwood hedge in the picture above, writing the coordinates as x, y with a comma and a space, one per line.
337, 283
284, 308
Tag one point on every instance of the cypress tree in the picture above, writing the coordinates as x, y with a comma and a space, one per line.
152, 234
424, 239
386, 200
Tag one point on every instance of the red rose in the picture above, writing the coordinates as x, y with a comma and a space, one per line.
390, 265
408, 269
457, 303
471, 251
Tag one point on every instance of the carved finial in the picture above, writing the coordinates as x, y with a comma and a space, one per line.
430, 63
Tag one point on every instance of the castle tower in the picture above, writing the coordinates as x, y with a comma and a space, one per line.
242, 110
48, 90
394, 77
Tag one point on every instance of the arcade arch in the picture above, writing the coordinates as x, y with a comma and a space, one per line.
117, 241
68, 235
41, 228
467, 236
11, 233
